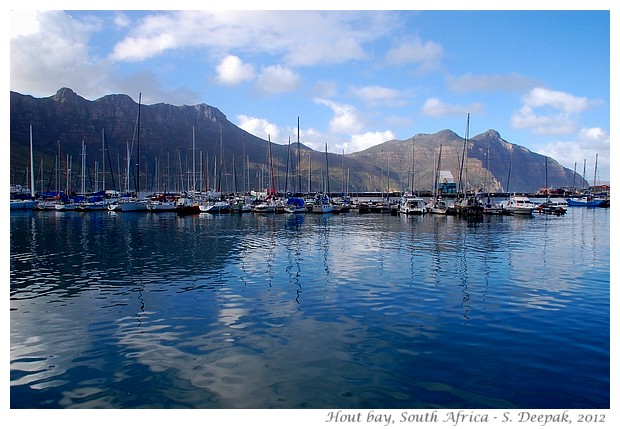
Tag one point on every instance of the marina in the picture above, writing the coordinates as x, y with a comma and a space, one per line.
338, 310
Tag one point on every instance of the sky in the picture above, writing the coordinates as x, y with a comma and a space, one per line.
354, 78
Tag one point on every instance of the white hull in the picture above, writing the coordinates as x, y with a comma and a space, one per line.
519, 205
217, 207
128, 206
264, 208
92, 207
65, 207
162, 207
412, 206
295, 209
322, 208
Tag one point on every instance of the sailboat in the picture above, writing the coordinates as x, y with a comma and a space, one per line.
296, 204
22, 203
466, 205
322, 202
549, 207
437, 205
412, 204
129, 202
269, 204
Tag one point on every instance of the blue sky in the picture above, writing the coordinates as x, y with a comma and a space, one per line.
356, 78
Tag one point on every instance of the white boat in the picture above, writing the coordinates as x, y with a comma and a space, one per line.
322, 204
495, 209
47, 204
322, 208
64, 207
241, 204
161, 206
268, 206
128, 205
92, 206
519, 205
412, 205
220, 206
437, 206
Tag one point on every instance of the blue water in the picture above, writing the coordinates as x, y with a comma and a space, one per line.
142, 310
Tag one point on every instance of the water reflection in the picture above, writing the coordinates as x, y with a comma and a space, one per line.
346, 311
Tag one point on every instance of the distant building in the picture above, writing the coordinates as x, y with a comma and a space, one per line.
447, 185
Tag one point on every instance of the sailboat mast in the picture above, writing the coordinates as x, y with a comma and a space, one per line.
327, 170
583, 185
464, 154
193, 188
546, 178
309, 172
288, 158
298, 160
412, 167
595, 168
31, 166
438, 173
138, 140
272, 189
83, 190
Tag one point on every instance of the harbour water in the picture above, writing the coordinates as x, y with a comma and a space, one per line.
346, 311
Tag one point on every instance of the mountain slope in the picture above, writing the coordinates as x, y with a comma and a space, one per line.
168, 135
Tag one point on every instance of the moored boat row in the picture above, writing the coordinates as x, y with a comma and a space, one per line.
471, 205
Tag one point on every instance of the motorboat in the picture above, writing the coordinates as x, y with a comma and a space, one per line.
519, 205
412, 205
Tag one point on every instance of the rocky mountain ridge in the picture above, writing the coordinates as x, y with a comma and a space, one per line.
179, 143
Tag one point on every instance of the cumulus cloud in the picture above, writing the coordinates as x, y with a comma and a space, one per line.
437, 108
587, 144
49, 48
232, 71
337, 36
259, 127
346, 117
121, 20
549, 112
277, 79
489, 82
378, 95
427, 55
364, 141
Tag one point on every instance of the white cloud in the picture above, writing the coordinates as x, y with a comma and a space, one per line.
379, 95
24, 23
277, 79
51, 50
549, 112
232, 71
122, 20
259, 127
587, 144
562, 101
489, 82
140, 48
364, 141
427, 55
346, 118
337, 37
437, 108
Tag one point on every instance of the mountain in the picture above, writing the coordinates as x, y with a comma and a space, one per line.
492, 163
174, 139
